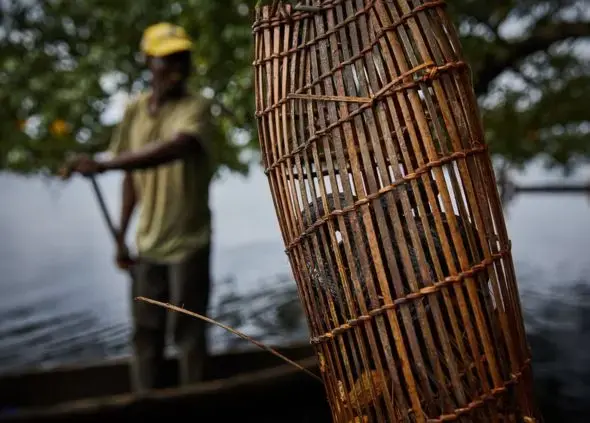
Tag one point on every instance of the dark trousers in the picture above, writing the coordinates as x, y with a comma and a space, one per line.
185, 284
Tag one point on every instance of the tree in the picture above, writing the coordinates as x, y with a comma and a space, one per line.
56, 53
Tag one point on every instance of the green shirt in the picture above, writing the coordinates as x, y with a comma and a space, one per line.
174, 218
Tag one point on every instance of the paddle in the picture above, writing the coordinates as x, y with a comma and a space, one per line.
107, 217
103, 207
65, 174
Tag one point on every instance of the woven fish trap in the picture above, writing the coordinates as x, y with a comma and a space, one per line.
386, 198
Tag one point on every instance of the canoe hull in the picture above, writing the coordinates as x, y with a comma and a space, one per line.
282, 393
67, 383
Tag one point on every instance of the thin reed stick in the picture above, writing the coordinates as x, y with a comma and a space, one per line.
229, 329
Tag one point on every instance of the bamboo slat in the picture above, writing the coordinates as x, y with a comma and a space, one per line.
386, 199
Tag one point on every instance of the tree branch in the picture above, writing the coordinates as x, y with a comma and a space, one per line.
541, 38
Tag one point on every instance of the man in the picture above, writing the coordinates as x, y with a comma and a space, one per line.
162, 146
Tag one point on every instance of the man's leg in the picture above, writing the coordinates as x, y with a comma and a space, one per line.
189, 288
149, 326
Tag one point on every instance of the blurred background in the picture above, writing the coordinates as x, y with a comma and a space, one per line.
66, 71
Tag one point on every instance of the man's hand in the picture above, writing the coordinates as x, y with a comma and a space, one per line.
122, 258
83, 164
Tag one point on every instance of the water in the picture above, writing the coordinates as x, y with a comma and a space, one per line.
63, 301
62, 298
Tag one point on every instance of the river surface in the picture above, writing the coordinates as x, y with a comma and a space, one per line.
62, 300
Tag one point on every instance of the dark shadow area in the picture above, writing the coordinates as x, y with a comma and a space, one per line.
559, 335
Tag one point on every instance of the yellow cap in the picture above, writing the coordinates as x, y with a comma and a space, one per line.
162, 39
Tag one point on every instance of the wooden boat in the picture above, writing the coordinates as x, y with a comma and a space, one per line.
240, 385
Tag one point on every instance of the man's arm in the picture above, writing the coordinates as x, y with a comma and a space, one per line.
154, 154
192, 128
128, 202
190, 139
119, 144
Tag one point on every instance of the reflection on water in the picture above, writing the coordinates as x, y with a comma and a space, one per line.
85, 316
51, 328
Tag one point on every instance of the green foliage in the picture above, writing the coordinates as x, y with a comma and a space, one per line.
55, 54
539, 51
